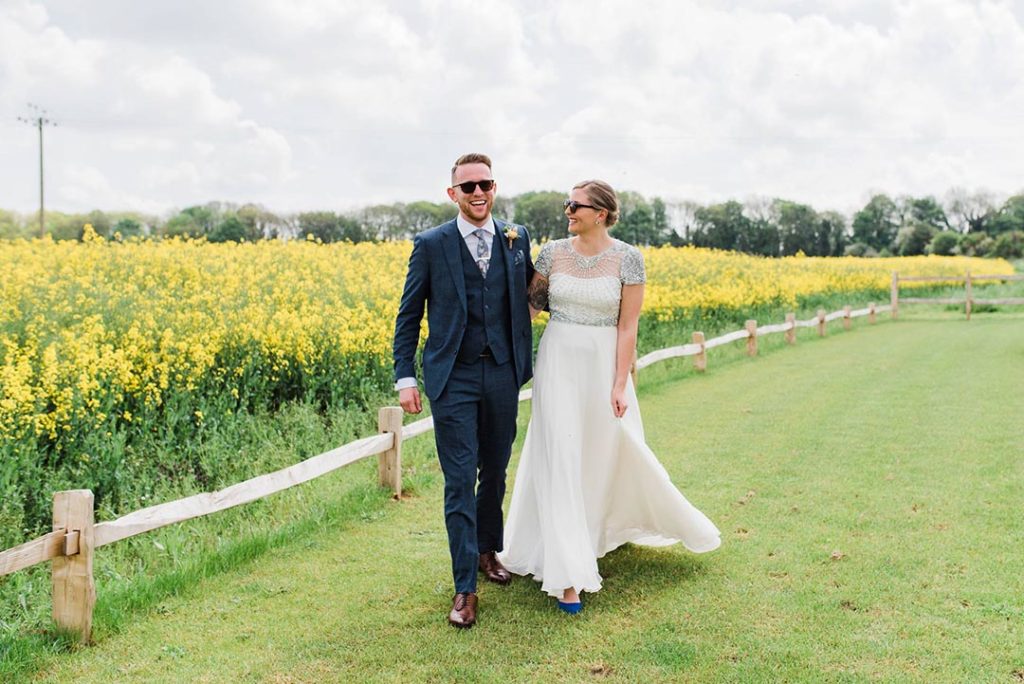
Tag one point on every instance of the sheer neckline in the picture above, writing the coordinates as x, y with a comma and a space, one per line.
572, 247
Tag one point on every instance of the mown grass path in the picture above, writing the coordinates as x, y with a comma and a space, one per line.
868, 488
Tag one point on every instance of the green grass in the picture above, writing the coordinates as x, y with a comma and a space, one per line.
136, 574
867, 487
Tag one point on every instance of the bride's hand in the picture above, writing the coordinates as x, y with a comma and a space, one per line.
619, 404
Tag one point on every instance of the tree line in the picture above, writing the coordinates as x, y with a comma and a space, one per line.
973, 224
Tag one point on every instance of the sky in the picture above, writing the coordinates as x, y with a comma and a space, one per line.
336, 104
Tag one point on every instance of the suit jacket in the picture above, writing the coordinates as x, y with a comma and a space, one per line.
436, 281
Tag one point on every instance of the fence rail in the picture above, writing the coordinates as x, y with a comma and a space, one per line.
968, 301
161, 515
71, 544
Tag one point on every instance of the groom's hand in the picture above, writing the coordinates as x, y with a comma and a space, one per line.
409, 399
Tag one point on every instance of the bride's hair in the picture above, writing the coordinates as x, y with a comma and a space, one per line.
601, 196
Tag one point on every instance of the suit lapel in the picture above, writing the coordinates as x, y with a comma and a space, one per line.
506, 253
453, 244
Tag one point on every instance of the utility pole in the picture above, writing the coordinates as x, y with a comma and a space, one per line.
39, 119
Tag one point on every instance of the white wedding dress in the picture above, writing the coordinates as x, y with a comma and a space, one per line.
587, 482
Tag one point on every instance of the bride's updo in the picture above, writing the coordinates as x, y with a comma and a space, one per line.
601, 196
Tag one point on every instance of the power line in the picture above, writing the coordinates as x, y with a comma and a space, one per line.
39, 118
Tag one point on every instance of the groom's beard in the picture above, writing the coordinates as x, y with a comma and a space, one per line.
476, 214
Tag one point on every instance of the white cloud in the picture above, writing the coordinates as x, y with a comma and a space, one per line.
33, 52
337, 103
90, 187
171, 86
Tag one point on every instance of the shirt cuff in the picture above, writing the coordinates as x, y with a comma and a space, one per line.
405, 383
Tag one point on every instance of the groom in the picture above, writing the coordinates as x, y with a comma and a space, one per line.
471, 274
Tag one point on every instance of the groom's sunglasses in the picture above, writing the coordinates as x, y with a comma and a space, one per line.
573, 205
469, 187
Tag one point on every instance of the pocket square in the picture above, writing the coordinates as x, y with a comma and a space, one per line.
518, 258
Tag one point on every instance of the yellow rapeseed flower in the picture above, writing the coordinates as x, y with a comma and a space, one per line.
96, 332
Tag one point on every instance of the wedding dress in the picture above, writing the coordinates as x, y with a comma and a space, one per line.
587, 482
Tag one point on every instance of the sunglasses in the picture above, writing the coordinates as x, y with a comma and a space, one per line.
573, 205
469, 187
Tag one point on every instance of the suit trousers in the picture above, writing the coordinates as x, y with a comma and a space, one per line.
474, 427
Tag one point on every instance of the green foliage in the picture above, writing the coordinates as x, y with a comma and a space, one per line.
231, 229
636, 220
1009, 245
719, 226
192, 221
261, 223
761, 237
798, 227
419, 216
976, 244
877, 223
928, 211
128, 227
384, 222
11, 225
970, 212
945, 243
914, 238
100, 221
330, 227
1009, 218
63, 226
831, 237
542, 214
859, 249
778, 227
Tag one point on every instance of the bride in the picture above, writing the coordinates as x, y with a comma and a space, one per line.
587, 482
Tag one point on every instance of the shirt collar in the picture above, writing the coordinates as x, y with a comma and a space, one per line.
467, 228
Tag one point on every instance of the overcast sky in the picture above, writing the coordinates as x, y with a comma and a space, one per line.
334, 104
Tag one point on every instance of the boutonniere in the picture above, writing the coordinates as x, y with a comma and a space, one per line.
512, 234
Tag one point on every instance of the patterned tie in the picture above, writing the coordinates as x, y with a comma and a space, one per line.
482, 251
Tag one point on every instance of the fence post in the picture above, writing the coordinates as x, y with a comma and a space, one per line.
389, 419
968, 306
700, 361
74, 591
751, 338
871, 313
894, 293
791, 332
821, 322
846, 317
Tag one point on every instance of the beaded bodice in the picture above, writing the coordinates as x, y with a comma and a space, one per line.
588, 290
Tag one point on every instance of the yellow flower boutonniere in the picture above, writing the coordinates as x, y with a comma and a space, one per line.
512, 234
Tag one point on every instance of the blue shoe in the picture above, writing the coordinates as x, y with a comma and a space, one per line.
570, 608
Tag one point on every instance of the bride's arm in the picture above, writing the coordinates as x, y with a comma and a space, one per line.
537, 294
629, 318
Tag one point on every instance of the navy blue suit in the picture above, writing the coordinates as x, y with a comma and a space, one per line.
477, 356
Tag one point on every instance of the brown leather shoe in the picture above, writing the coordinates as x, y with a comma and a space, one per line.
493, 570
463, 611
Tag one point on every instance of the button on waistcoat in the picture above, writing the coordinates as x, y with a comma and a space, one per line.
488, 324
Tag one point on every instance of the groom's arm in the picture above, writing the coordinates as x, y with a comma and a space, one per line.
529, 259
407, 323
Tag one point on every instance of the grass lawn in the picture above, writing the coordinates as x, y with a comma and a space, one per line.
868, 489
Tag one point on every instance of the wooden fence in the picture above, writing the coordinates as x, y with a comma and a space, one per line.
75, 536
968, 301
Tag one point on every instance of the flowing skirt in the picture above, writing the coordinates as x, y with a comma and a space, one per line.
587, 481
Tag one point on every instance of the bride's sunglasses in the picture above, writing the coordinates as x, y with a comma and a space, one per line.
573, 205
469, 187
